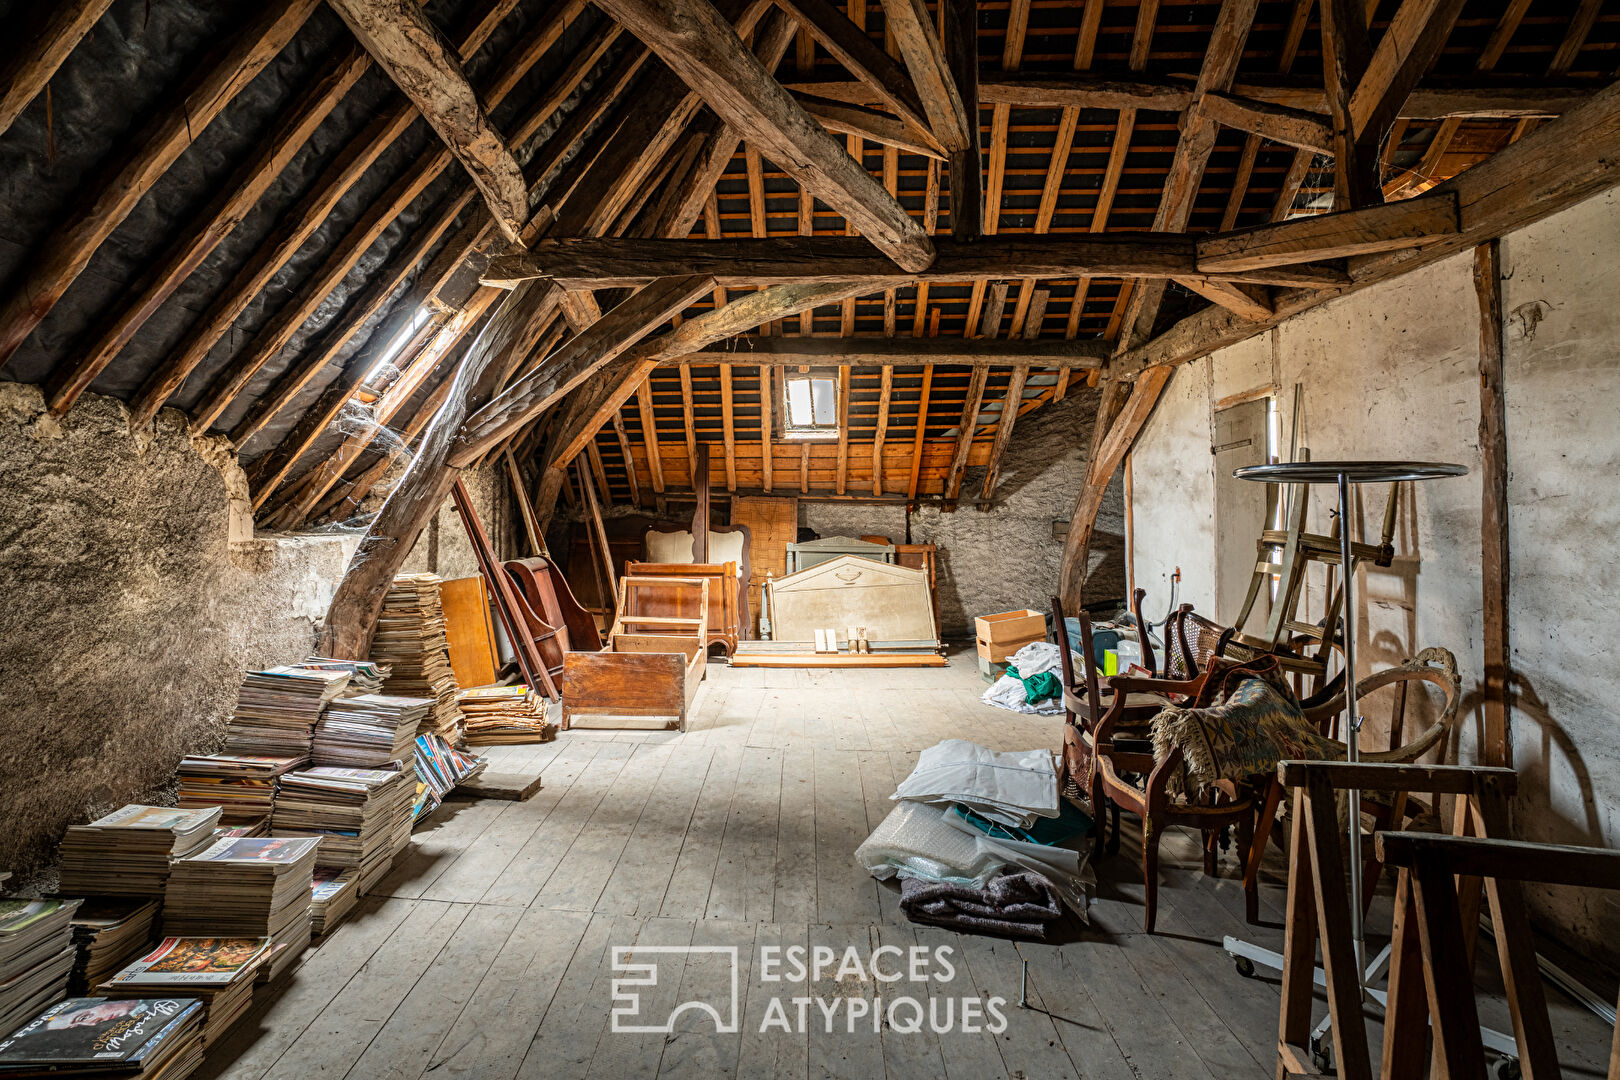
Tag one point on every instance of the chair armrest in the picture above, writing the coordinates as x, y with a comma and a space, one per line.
1125, 684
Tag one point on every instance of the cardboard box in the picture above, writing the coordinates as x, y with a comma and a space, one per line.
999, 636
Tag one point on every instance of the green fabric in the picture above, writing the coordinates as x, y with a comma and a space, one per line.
1038, 688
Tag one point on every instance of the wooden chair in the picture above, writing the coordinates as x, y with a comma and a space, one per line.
1117, 748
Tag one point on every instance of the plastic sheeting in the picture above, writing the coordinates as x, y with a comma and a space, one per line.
918, 841
1014, 787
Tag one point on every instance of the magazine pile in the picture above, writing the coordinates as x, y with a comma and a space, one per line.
439, 768
365, 677
154, 1038
219, 972
243, 786
335, 894
362, 817
368, 731
410, 640
255, 887
109, 932
276, 710
505, 714
36, 956
128, 852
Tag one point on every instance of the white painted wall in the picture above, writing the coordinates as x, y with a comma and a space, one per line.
1391, 372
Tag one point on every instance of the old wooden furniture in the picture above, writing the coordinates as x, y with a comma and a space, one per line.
728, 597
892, 602
815, 552
649, 670
1433, 979
1318, 907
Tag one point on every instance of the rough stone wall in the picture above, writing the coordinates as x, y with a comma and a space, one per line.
443, 547
1004, 556
1391, 372
136, 596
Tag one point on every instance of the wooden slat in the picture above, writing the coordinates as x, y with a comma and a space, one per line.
965, 430
697, 43
649, 434
236, 197
876, 352
843, 427
1496, 748
765, 430
922, 431
214, 83
886, 389
36, 52
629, 462
425, 67
728, 432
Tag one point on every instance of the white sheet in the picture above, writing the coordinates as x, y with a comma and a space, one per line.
1014, 787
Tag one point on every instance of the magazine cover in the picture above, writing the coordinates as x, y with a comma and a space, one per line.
19, 915
157, 817
494, 693
277, 850
329, 881
204, 961
96, 1031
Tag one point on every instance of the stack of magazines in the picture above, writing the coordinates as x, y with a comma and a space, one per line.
335, 894
217, 971
242, 785
276, 710
109, 932
153, 1038
505, 714
410, 639
362, 816
365, 677
127, 853
36, 957
256, 887
439, 768
371, 731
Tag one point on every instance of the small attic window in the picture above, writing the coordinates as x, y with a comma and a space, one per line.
810, 406
383, 371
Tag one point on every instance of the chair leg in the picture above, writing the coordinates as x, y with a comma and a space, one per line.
1150, 872
1099, 824
1113, 835
1263, 828
1251, 891
1211, 838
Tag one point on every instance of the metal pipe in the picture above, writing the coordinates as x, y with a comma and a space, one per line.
1352, 725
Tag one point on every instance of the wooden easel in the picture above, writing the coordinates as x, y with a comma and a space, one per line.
1438, 968
1318, 898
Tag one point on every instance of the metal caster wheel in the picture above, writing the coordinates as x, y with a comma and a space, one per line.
1505, 1068
1245, 966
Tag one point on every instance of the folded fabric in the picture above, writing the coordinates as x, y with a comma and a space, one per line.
1251, 722
1010, 693
1013, 788
1020, 905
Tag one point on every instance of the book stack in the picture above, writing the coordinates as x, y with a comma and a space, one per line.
36, 957
276, 710
362, 816
439, 768
257, 887
505, 714
365, 677
153, 1038
410, 639
108, 932
259, 826
219, 972
371, 731
336, 891
128, 852
242, 786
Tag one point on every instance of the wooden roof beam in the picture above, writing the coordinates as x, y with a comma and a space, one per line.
173, 125
701, 47
873, 126
425, 67
584, 262
1278, 123
1404, 55
39, 50
879, 352
912, 29
1383, 227
1551, 169
861, 56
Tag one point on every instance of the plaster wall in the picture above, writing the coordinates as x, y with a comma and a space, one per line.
1005, 555
136, 595
1391, 373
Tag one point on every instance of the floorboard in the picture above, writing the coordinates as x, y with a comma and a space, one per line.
488, 953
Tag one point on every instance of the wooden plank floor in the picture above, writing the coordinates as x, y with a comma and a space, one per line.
486, 954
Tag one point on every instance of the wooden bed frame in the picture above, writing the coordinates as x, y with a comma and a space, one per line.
728, 598
650, 669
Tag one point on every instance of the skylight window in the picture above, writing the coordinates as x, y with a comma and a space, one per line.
812, 406
379, 371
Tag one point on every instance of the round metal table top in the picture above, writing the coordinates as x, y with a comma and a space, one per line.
1356, 472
